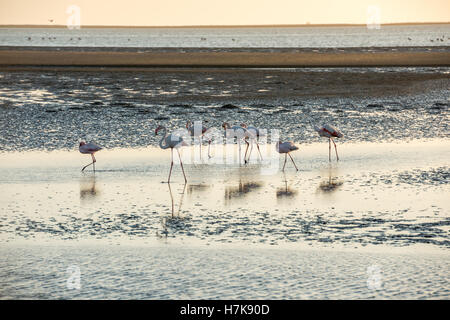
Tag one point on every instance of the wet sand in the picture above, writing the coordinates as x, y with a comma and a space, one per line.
250, 58
233, 231
388, 194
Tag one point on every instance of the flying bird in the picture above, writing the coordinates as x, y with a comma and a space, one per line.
329, 132
89, 148
171, 141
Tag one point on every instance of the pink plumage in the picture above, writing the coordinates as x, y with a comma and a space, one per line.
89, 148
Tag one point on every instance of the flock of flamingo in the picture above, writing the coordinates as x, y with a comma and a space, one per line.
242, 133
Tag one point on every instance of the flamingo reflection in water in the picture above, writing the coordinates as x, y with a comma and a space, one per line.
174, 219
87, 188
332, 183
285, 192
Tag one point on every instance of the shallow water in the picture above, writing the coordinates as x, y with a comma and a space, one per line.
165, 272
378, 194
356, 36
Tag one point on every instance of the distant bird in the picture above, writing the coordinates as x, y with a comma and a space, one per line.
199, 133
171, 141
239, 132
329, 132
89, 148
253, 134
286, 148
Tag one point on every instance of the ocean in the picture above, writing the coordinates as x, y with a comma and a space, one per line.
260, 37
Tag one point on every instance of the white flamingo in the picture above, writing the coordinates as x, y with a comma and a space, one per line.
196, 133
329, 132
286, 148
171, 141
89, 148
253, 134
239, 132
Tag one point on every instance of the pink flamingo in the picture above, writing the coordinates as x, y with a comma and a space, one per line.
171, 141
329, 132
89, 148
193, 133
253, 134
286, 148
240, 132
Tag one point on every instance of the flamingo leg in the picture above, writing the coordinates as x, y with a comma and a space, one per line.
335, 148
285, 159
171, 164
251, 149
171, 198
329, 149
209, 148
200, 139
181, 200
181, 162
246, 149
239, 142
257, 145
93, 161
293, 161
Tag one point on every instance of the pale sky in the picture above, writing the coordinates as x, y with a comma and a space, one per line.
220, 12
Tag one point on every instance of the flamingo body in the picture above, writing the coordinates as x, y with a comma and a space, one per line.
254, 134
196, 133
89, 148
286, 148
171, 141
329, 132
240, 132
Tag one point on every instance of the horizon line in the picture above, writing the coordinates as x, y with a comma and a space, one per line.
221, 26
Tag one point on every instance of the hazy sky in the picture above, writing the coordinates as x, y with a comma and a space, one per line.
220, 12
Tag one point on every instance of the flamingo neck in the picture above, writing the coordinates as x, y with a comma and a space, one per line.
163, 139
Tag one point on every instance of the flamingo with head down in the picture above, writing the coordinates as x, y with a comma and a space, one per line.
329, 132
240, 132
89, 148
253, 134
286, 148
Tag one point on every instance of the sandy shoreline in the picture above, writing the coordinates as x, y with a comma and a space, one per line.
223, 58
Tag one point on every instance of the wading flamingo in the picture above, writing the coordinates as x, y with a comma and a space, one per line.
286, 148
89, 148
171, 141
329, 132
239, 132
252, 134
196, 133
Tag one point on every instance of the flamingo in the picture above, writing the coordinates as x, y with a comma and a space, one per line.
89, 148
196, 133
286, 148
171, 141
253, 134
239, 132
329, 132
